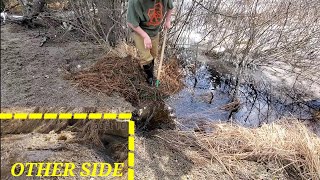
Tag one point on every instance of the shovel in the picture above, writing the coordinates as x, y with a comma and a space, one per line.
161, 58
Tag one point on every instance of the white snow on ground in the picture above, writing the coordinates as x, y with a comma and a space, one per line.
282, 74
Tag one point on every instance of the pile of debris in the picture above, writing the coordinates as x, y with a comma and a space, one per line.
123, 77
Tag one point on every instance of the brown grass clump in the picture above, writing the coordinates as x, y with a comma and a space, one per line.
114, 75
171, 77
123, 76
293, 148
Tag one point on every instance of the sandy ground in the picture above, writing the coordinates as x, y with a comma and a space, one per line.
46, 148
33, 76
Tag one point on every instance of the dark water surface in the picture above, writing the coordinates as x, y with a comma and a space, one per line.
207, 90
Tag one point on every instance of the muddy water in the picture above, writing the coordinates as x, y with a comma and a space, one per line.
208, 88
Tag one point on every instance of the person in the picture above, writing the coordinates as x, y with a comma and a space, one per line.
144, 17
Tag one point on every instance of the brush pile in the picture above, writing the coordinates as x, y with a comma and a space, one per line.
291, 147
114, 76
124, 77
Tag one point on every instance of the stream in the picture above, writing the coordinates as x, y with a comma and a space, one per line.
208, 90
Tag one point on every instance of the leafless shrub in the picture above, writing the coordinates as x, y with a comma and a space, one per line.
278, 38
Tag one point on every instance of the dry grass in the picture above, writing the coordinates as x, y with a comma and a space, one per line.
120, 73
171, 77
290, 146
115, 75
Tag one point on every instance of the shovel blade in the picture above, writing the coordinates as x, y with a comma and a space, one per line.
157, 83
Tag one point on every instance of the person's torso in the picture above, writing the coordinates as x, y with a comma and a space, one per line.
153, 12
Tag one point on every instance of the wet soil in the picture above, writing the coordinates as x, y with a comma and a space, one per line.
33, 76
32, 80
52, 147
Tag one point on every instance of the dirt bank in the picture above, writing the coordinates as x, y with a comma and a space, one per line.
32, 80
52, 147
33, 76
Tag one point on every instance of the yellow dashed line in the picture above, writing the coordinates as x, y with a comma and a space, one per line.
83, 116
50, 116
65, 116
126, 116
95, 115
131, 143
131, 130
106, 116
80, 116
21, 116
130, 159
109, 116
6, 115
131, 127
130, 174
35, 116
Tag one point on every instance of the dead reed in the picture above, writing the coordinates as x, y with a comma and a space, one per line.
290, 145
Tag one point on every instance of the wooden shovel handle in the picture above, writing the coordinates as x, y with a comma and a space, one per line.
162, 53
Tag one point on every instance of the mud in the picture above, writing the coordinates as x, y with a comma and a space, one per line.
32, 80
52, 147
33, 76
